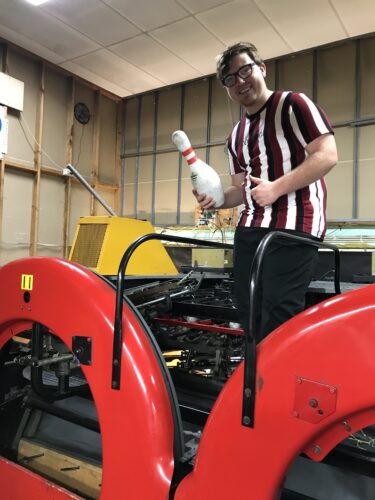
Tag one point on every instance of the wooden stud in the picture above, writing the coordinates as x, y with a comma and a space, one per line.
35, 209
96, 150
4, 64
68, 159
119, 133
21, 167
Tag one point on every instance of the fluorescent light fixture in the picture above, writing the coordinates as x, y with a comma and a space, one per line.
36, 2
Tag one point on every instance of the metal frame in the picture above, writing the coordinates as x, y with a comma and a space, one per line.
154, 144
182, 108
117, 334
251, 333
37, 362
123, 160
209, 119
138, 147
356, 131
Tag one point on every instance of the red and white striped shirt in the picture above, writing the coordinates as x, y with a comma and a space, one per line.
271, 143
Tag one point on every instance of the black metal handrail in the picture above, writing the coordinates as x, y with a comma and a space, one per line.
251, 333
118, 334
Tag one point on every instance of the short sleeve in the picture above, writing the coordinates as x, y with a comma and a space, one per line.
308, 120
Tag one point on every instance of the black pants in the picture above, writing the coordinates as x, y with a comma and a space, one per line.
287, 270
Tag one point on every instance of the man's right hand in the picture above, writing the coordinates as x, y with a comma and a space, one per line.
205, 202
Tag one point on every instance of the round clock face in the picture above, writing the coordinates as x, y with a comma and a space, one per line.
82, 113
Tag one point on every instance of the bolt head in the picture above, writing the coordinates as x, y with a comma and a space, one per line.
247, 392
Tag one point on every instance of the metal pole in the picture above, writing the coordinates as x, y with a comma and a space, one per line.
209, 119
123, 159
154, 146
179, 182
356, 149
84, 182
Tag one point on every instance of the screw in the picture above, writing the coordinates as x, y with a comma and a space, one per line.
247, 392
347, 426
246, 420
316, 449
313, 403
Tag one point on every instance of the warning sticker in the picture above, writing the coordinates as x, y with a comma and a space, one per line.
27, 282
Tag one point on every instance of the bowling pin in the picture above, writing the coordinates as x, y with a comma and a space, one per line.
203, 177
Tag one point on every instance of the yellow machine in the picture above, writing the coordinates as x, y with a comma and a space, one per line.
100, 242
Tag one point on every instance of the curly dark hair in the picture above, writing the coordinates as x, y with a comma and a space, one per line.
224, 59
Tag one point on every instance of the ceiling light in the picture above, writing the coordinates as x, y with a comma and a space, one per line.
36, 2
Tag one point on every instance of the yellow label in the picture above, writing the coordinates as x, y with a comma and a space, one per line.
27, 282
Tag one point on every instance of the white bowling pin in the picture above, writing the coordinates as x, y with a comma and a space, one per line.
203, 177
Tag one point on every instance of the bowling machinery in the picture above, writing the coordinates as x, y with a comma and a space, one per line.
112, 388
128, 386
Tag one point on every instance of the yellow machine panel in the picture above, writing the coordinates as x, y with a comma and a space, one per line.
101, 241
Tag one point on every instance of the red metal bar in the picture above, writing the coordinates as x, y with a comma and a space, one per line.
200, 325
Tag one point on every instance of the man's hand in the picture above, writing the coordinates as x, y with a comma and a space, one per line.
205, 202
265, 192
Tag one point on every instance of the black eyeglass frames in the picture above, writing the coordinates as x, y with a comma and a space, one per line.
243, 72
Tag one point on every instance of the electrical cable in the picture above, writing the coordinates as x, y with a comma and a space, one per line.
21, 121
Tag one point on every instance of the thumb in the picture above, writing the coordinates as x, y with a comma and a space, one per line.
255, 180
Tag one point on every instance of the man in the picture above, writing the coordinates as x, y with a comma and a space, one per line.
278, 154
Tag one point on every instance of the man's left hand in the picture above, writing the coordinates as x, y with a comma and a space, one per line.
264, 193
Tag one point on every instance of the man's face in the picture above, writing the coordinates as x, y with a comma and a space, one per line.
250, 91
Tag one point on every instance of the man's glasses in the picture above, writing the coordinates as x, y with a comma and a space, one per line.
244, 72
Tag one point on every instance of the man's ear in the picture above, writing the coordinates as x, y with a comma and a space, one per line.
228, 93
263, 69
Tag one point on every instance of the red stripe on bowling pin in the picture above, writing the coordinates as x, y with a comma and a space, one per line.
190, 156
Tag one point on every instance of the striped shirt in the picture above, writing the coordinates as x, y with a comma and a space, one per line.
271, 143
